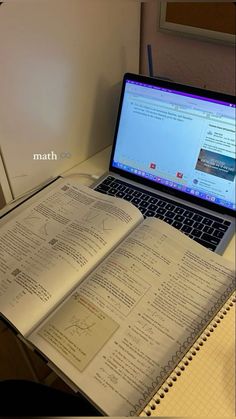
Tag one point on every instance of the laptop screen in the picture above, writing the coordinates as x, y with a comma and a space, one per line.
180, 137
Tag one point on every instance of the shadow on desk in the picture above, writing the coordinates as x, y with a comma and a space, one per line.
27, 398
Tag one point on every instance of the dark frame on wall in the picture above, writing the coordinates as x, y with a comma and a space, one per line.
210, 21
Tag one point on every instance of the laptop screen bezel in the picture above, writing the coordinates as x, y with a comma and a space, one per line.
146, 182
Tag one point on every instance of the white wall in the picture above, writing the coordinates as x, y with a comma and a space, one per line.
61, 65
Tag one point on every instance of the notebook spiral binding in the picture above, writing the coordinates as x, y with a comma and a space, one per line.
185, 362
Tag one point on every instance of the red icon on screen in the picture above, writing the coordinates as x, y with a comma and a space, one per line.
152, 166
179, 175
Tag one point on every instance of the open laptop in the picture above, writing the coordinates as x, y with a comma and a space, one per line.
174, 157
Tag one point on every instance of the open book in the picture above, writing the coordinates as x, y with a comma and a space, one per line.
113, 301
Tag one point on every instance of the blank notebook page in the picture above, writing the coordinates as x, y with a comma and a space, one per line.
206, 386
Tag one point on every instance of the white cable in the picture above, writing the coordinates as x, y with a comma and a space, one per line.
83, 174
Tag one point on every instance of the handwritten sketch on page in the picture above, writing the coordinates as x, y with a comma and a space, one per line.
84, 329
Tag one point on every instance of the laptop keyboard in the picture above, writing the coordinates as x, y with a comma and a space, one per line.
206, 230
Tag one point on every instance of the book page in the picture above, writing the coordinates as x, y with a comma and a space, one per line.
147, 302
54, 243
206, 386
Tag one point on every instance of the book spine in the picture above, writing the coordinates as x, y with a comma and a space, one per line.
152, 407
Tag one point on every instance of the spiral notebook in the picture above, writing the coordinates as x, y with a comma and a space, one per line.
203, 383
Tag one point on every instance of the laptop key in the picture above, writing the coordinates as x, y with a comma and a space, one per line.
186, 229
217, 219
129, 191
128, 197
221, 227
168, 220
145, 197
218, 233
196, 233
137, 193
161, 203
113, 191
136, 201
170, 214
198, 226
122, 188
179, 218
179, 210
210, 239
150, 213
205, 244
208, 229
188, 221
197, 217
188, 214
108, 180
102, 188
120, 194
115, 185
144, 204
152, 207
153, 200
161, 211
118, 186
207, 221
170, 207
177, 224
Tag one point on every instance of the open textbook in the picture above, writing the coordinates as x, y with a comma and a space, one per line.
113, 301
